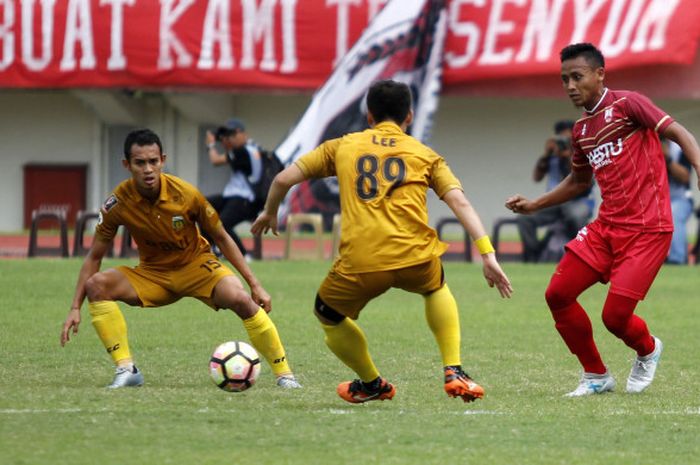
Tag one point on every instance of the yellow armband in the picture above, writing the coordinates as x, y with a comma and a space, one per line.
484, 245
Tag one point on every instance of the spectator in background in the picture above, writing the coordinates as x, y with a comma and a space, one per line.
237, 202
678, 168
555, 165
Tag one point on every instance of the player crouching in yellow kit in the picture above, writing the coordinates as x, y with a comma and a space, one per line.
161, 212
386, 241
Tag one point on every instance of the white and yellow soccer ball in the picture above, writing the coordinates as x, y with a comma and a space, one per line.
234, 366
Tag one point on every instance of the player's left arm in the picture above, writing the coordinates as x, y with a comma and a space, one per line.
233, 254
681, 136
469, 218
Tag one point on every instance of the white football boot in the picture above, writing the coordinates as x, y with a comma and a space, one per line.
644, 368
125, 377
592, 383
288, 382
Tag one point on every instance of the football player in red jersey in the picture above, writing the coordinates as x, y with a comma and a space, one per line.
617, 141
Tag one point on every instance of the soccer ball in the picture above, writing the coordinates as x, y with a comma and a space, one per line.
234, 366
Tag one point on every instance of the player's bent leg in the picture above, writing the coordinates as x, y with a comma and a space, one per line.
111, 284
107, 319
347, 341
443, 319
229, 293
619, 318
266, 340
572, 277
262, 332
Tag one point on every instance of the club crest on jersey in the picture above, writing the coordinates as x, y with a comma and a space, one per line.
601, 155
109, 203
178, 222
608, 115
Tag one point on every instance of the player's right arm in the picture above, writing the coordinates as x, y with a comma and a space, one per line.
681, 136
285, 180
91, 265
575, 184
316, 164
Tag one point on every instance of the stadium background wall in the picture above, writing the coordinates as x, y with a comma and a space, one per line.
491, 143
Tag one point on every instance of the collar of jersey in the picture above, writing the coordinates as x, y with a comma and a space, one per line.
388, 126
597, 105
163, 197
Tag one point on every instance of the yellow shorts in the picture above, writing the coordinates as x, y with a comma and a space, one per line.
157, 287
348, 293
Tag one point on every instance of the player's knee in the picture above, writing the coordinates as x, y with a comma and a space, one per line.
97, 287
326, 314
558, 297
614, 322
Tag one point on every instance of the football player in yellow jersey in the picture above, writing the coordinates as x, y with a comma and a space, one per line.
162, 212
386, 241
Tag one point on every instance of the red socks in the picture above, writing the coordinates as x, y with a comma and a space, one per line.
619, 318
573, 276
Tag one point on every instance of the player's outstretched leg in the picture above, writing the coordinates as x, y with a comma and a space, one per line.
593, 383
443, 319
459, 384
357, 391
644, 369
266, 340
110, 326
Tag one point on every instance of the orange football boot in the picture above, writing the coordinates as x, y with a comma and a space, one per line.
356, 392
459, 384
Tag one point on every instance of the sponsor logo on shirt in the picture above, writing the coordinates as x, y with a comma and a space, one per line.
178, 222
602, 155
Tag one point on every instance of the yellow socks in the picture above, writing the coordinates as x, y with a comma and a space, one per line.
348, 343
111, 328
264, 337
443, 320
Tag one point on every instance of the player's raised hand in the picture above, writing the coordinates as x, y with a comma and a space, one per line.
519, 204
495, 276
264, 223
72, 322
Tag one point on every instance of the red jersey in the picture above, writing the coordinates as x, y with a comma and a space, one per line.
619, 141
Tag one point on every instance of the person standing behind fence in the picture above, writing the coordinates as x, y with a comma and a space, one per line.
678, 168
237, 203
555, 165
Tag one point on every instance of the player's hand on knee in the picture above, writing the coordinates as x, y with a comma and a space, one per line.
262, 298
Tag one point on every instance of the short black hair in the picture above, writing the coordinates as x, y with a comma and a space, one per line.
563, 125
389, 100
141, 137
593, 56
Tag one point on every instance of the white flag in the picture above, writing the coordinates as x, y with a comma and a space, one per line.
404, 43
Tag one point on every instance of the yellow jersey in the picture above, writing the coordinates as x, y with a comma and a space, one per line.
384, 175
166, 231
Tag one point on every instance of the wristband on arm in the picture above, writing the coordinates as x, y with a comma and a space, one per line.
484, 245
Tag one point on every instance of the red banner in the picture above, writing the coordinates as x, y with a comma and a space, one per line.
294, 44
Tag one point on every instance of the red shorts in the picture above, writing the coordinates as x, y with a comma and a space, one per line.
629, 260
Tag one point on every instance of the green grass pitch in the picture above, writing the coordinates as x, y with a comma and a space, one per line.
54, 408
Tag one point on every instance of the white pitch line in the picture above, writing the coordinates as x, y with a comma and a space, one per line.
11, 411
